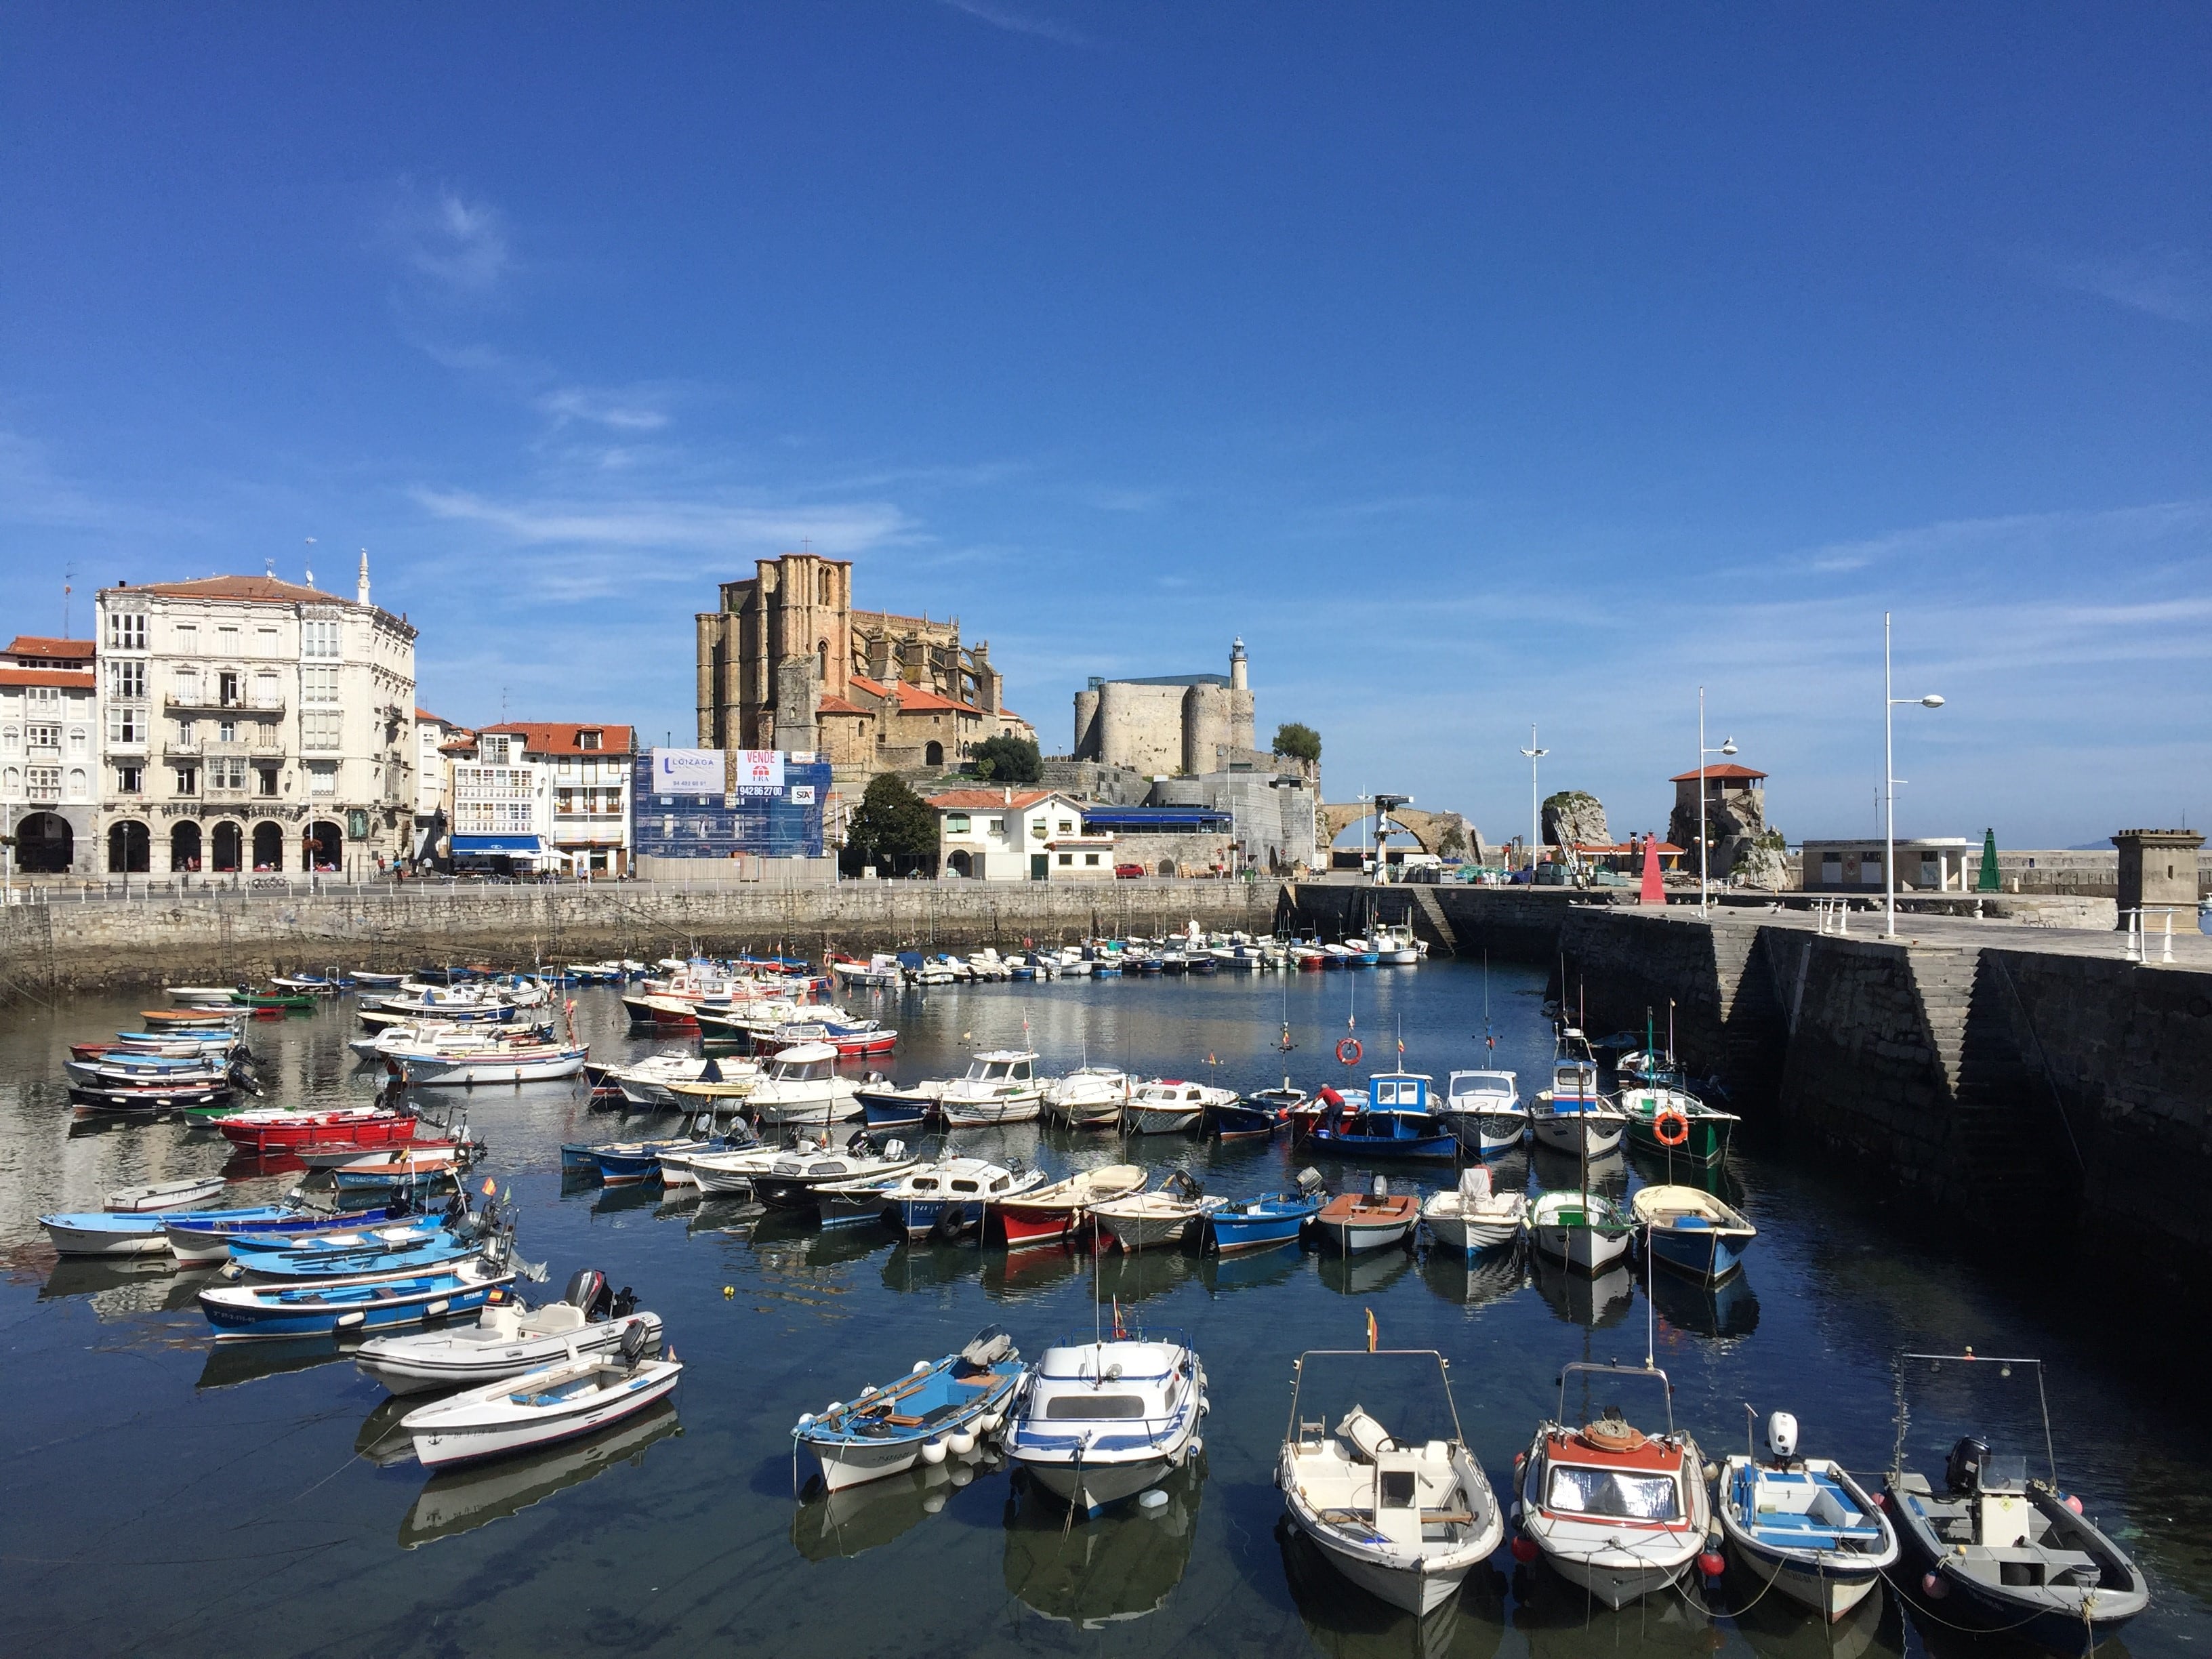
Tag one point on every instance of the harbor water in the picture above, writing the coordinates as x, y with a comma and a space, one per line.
165, 1496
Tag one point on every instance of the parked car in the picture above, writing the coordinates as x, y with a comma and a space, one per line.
1128, 872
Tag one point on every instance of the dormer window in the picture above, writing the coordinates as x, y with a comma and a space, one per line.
587, 740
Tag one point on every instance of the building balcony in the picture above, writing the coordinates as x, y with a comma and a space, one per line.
182, 745
212, 702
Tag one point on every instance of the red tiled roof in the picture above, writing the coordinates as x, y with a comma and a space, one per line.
1730, 770
40, 645
68, 679
268, 590
969, 800
912, 699
425, 714
559, 737
829, 705
874, 689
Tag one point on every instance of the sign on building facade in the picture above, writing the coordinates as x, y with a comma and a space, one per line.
773, 809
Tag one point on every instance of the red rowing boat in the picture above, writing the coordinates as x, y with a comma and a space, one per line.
286, 1131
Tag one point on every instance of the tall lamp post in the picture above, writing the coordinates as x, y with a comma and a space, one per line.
1890, 781
1727, 747
1535, 816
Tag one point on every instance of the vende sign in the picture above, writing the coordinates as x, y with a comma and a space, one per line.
687, 772
757, 772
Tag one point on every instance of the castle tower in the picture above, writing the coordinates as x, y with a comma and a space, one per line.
1242, 734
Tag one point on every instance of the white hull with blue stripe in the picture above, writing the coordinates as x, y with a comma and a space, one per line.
1096, 1422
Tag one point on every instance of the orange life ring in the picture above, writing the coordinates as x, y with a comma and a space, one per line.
1611, 1434
1681, 1123
1348, 1051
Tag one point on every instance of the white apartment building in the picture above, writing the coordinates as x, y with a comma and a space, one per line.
255, 725
545, 795
1018, 835
49, 786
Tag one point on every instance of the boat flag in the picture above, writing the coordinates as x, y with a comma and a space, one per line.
1372, 1335
1401, 1047
490, 1186
1120, 1331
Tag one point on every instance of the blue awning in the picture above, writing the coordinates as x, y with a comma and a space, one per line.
498, 844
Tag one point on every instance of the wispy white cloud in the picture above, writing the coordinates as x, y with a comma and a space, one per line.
1019, 20
670, 525
34, 492
2078, 533
622, 411
2169, 282
451, 242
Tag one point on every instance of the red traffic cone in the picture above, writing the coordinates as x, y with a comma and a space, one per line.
1653, 891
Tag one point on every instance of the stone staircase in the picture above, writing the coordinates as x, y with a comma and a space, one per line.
1433, 912
2006, 1140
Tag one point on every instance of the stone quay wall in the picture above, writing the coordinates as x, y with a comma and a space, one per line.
2032, 1080
48, 949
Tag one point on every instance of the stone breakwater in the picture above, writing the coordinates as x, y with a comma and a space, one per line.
2030, 1078
48, 949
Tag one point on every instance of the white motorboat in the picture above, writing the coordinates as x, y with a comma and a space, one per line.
1802, 1524
1573, 1115
1617, 1512
952, 1195
556, 1403
645, 1082
1090, 1097
1171, 1106
1095, 1422
729, 1173
1472, 1219
1001, 1086
164, 1195
1406, 1523
1485, 1111
200, 996
1395, 943
1586, 1231
793, 1180
517, 1063
509, 1338
1145, 1221
801, 1085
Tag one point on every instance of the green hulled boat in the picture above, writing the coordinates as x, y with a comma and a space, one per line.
272, 999
1707, 1141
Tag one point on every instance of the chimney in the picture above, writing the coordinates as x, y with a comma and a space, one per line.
361, 581
1009, 793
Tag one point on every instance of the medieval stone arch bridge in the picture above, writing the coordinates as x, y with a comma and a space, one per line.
1427, 828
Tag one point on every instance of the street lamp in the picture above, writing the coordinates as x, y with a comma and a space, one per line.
1727, 747
1536, 832
1889, 782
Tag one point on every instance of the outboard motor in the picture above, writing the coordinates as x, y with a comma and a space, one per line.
625, 1302
633, 1347
1781, 1438
1382, 1186
1311, 1182
1183, 1185
586, 1287
895, 1149
857, 1145
1962, 1470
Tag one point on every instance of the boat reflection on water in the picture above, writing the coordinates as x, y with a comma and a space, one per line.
1134, 1278
831, 1525
1560, 1620
1562, 1172
614, 1200
1366, 1272
380, 1440
461, 1500
727, 1214
925, 1264
1718, 1179
229, 1363
1580, 1299
1724, 1310
1019, 1275
125, 1287
1345, 1622
1779, 1628
1491, 1276
1122, 1564
784, 1246
1250, 1269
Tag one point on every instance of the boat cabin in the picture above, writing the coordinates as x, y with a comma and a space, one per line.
1399, 1091
809, 1062
1479, 1090
1574, 1083
1170, 1091
1583, 1478
1002, 1065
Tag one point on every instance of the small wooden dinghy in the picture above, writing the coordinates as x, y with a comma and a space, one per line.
164, 1195
1352, 1221
1144, 1221
1692, 1231
557, 1402
1050, 1213
940, 1409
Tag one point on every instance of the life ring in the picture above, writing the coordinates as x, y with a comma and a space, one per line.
1675, 1119
1347, 1051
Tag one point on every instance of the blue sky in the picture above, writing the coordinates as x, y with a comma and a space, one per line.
1477, 365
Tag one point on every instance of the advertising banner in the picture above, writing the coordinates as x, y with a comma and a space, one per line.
758, 772
687, 772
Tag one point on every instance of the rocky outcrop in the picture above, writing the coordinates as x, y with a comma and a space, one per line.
1572, 818
1740, 848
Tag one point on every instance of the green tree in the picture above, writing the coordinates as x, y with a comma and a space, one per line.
1295, 741
1005, 759
891, 822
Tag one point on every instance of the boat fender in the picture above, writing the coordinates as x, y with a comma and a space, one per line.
1933, 1586
932, 1452
1197, 1449
349, 1321
1152, 1499
2072, 1503
920, 1366
1882, 1500
804, 1418
436, 1308
1711, 1564
961, 1441
833, 1408
1713, 1473
1524, 1549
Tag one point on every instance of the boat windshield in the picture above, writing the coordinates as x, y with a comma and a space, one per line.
1613, 1492
1481, 1083
2003, 1474
1095, 1405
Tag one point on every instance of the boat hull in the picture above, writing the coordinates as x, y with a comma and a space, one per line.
1567, 1134
414, 1365
1229, 1234
444, 1446
1155, 1120
260, 1312
1705, 1253
1472, 1237
1590, 1250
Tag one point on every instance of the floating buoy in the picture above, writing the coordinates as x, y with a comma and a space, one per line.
1713, 1473
1152, 1499
932, 1452
1933, 1585
729, 1291
1524, 1549
1711, 1564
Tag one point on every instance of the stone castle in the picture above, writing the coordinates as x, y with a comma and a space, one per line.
787, 663
1188, 723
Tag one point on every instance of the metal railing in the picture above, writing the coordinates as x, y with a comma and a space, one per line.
2139, 931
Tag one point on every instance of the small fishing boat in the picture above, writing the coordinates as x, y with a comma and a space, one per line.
407, 1174
497, 1063
1050, 1214
941, 1408
885, 1105
1690, 1232
1802, 1524
1617, 1512
1169, 1106
730, 1172
1390, 1119
369, 981
1089, 1097
555, 1402
1573, 1115
423, 1154
799, 1086
1352, 1221
1666, 1119
202, 996
322, 1262
645, 1083
1098, 1421
1584, 1230
164, 1195
1260, 1224
1146, 1221
207, 1235
949, 1197
792, 1180
276, 1001
118, 1068
854, 1203
192, 1019
247, 1249
152, 1095
243, 1311
1406, 1523
1253, 1116
1994, 1550
1472, 1218
1485, 1111
629, 1162
509, 1337
107, 1233
1001, 1086
277, 1131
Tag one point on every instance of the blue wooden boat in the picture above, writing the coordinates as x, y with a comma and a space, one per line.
209, 1235
356, 1267
240, 1311
1255, 1116
886, 1106
116, 1232
625, 1163
1393, 1119
403, 1233
1259, 1224
1688, 1230
935, 1410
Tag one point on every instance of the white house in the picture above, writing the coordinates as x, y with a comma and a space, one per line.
546, 795
49, 793
1018, 835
